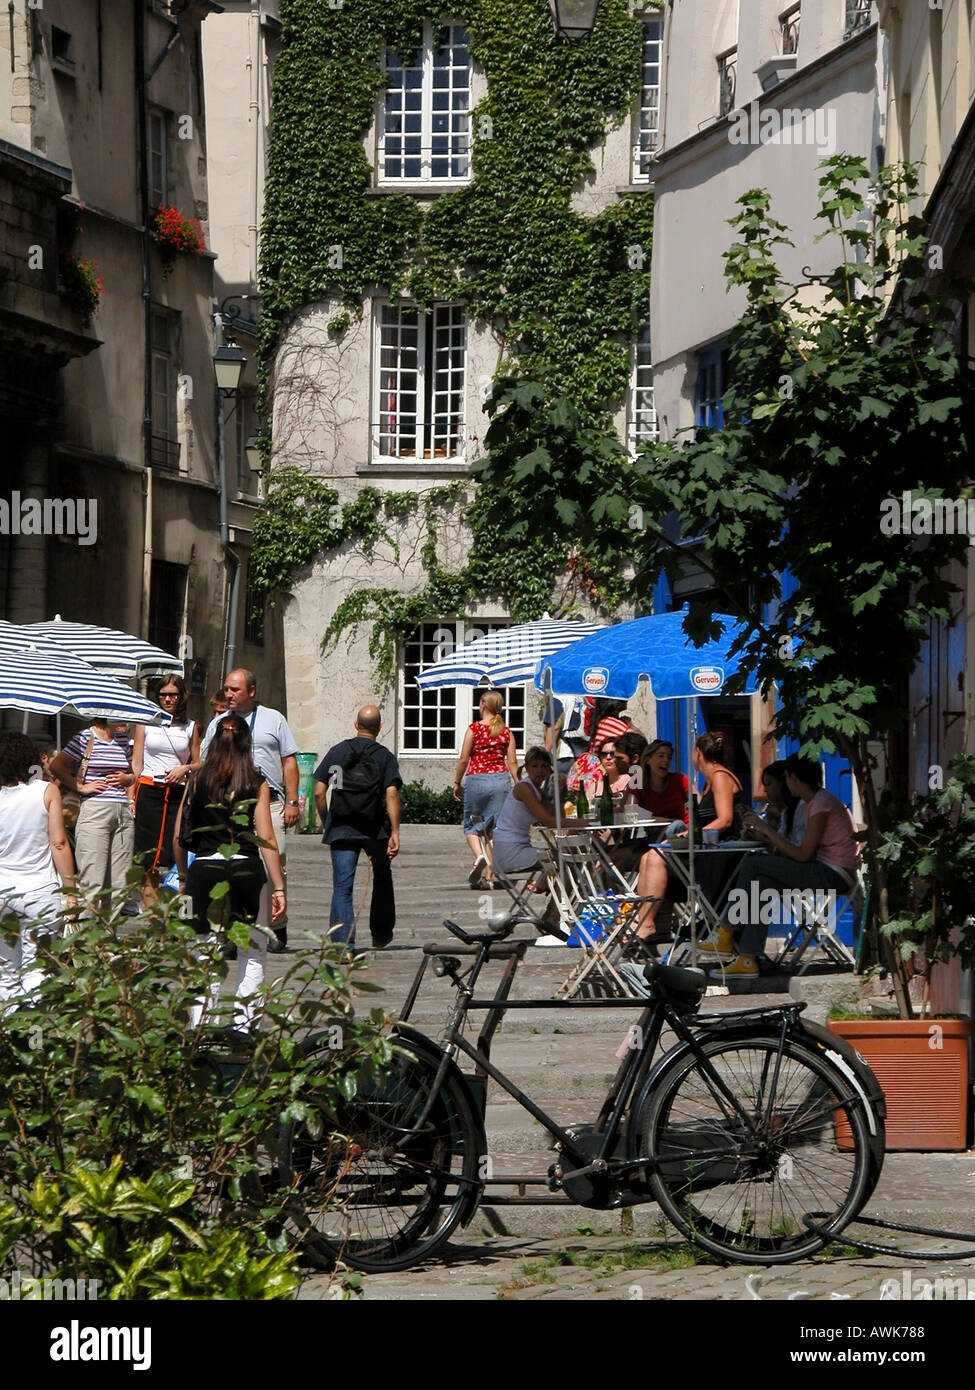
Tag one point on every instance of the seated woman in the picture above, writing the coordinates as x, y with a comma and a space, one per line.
514, 852
589, 770
826, 859
785, 813
721, 801
663, 793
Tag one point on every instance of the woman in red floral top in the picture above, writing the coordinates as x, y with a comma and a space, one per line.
488, 758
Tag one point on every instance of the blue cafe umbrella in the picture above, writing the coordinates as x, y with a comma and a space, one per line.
611, 664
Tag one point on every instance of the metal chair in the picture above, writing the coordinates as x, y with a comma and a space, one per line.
812, 926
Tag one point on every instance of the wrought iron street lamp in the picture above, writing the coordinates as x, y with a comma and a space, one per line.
574, 19
228, 364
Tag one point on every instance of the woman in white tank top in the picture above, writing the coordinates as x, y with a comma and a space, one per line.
161, 759
35, 859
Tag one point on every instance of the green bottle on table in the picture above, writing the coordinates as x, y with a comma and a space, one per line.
606, 803
582, 803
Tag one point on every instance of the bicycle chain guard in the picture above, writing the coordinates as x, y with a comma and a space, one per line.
598, 1190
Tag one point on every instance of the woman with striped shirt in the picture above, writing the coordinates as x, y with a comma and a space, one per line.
97, 765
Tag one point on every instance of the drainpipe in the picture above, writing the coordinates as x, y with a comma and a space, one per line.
233, 559
139, 13
254, 66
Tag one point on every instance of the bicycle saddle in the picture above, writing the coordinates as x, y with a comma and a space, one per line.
502, 925
675, 984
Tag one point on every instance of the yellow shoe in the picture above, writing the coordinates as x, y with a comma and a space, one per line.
741, 968
721, 945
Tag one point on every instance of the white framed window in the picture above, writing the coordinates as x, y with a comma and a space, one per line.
424, 118
433, 722
419, 385
158, 160
647, 133
641, 419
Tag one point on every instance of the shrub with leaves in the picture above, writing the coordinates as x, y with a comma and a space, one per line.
126, 1135
930, 863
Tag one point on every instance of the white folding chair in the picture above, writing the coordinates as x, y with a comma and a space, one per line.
813, 926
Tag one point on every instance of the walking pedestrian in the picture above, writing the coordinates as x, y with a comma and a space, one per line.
162, 758
35, 860
274, 750
97, 766
229, 804
357, 795
489, 766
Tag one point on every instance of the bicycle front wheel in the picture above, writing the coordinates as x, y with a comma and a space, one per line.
744, 1147
388, 1185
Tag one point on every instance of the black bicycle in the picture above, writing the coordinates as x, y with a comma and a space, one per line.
747, 1124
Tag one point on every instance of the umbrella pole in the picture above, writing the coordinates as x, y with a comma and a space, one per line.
26, 722
692, 881
557, 790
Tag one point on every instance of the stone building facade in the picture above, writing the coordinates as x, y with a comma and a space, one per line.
395, 400
102, 120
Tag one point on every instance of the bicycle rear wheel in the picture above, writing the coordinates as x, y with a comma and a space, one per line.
381, 1191
737, 1176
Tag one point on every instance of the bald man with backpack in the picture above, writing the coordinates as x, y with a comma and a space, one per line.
357, 795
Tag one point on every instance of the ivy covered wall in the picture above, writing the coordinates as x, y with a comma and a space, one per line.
561, 291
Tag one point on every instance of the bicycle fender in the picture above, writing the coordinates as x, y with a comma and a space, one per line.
435, 1053
842, 1054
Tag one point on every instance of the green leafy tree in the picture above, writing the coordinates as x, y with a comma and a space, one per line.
835, 409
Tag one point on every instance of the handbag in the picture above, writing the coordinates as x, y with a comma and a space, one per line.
71, 798
185, 840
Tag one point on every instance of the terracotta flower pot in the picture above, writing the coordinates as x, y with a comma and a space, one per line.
922, 1064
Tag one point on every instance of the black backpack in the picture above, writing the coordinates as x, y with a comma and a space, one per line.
359, 797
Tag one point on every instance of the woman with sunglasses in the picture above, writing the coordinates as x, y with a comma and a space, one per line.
162, 759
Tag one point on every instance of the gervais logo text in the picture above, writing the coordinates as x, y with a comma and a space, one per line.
77, 1343
594, 679
707, 679
50, 516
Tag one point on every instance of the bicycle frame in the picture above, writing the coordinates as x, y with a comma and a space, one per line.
600, 1156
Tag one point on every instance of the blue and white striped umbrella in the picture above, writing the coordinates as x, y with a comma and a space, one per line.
106, 650
46, 681
504, 657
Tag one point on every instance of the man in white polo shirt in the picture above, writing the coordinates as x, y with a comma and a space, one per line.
274, 757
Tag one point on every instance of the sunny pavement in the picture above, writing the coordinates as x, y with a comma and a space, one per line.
566, 1060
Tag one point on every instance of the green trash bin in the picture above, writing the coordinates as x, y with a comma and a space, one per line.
307, 822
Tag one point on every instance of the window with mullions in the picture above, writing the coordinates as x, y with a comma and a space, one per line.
420, 382
424, 123
434, 721
642, 415
648, 116
712, 381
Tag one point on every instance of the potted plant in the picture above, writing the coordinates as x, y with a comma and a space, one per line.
81, 286
176, 235
922, 1063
